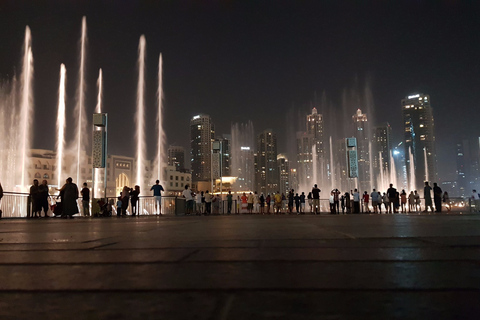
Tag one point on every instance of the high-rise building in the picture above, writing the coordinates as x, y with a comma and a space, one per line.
221, 158
315, 128
461, 168
176, 157
419, 133
266, 170
382, 137
202, 132
305, 168
468, 177
284, 173
242, 156
360, 127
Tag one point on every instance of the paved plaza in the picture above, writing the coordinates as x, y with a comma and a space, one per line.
242, 267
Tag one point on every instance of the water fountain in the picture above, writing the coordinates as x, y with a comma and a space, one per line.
242, 150
16, 114
412, 183
161, 134
26, 107
140, 115
61, 124
425, 163
80, 107
393, 170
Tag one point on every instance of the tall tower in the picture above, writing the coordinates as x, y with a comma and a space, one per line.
382, 140
305, 169
202, 132
221, 157
419, 133
242, 163
176, 157
266, 162
284, 173
315, 128
361, 133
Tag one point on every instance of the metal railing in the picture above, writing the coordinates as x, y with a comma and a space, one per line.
18, 205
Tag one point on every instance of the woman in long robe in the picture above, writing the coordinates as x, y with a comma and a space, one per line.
69, 193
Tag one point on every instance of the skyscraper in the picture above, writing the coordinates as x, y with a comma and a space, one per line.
176, 157
419, 134
462, 148
242, 156
382, 148
315, 128
467, 166
382, 137
305, 169
360, 126
266, 170
202, 132
284, 173
221, 158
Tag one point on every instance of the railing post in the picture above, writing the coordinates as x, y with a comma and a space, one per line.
29, 201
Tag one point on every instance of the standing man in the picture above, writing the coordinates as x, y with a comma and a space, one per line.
356, 201
302, 203
229, 202
250, 201
257, 202
198, 202
427, 196
187, 194
43, 197
35, 199
437, 197
316, 199
336, 200
157, 193
374, 195
392, 196
85, 192
134, 196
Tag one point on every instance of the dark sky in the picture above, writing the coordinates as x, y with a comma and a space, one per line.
240, 60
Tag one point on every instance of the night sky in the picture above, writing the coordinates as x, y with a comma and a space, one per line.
241, 60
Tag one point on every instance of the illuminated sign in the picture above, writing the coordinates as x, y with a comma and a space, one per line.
196, 117
414, 96
244, 148
351, 142
352, 163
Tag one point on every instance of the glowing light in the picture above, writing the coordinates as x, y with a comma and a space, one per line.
244, 148
396, 152
196, 117
414, 96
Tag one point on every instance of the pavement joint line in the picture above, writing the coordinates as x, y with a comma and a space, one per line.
241, 290
342, 233
95, 240
102, 245
269, 247
188, 255
223, 308
183, 261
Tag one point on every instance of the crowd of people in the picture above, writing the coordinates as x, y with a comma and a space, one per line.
390, 201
